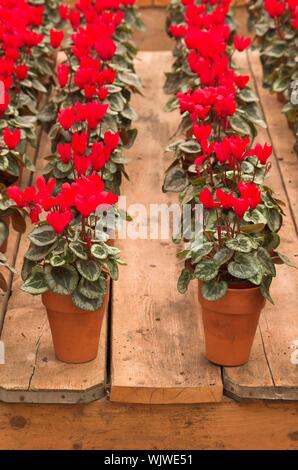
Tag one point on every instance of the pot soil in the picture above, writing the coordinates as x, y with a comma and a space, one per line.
230, 324
75, 332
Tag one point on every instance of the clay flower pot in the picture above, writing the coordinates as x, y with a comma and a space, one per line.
230, 325
75, 332
6, 221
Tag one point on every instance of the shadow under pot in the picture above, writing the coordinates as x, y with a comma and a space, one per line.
230, 324
75, 332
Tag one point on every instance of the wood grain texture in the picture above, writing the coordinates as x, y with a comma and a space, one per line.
157, 338
31, 372
112, 426
270, 374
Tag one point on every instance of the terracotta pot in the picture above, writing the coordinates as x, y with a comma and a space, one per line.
6, 221
75, 332
230, 325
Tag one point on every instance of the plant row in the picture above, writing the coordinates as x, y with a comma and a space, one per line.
26, 70
276, 27
89, 121
217, 162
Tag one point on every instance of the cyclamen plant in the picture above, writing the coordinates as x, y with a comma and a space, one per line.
223, 170
25, 68
95, 81
67, 253
276, 27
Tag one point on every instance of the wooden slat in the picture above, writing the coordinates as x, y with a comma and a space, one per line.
157, 339
31, 373
112, 426
270, 374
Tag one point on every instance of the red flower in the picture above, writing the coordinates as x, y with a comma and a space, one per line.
241, 43
223, 150
89, 91
67, 118
75, 18
44, 187
105, 48
102, 93
63, 12
225, 199
65, 153
200, 160
250, 192
79, 142
240, 206
98, 156
34, 214
177, 31
111, 140
59, 220
238, 146
206, 198
241, 81
202, 133
274, 8
262, 153
11, 138
63, 74
56, 37
16, 195
108, 75
81, 164
21, 72
94, 113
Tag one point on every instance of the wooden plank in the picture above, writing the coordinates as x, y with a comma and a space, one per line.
157, 338
154, 38
103, 425
31, 373
270, 374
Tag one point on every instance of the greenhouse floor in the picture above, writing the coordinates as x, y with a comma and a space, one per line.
151, 386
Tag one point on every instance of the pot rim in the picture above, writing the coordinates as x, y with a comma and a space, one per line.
242, 289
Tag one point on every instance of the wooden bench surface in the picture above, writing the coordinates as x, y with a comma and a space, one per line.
31, 372
157, 336
157, 344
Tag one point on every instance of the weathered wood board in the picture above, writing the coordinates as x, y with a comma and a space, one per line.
31, 372
157, 338
114, 426
272, 372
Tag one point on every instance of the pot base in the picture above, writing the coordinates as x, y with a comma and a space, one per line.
230, 325
75, 332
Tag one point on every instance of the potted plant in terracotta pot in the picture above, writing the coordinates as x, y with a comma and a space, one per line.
235, 262
218, 165
276, 26
67, 262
